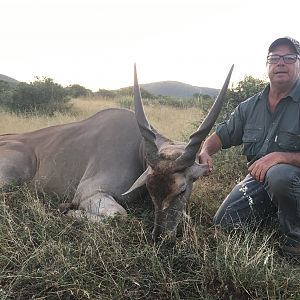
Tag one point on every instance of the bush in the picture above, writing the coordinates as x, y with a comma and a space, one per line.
76, 90
128, 91
105, 94
126, 102
244, 89
6, 91
42, 96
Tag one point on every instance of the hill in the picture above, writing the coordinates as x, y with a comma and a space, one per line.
177, 89
8, 79
163, 88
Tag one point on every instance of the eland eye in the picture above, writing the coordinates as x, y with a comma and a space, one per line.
181, 189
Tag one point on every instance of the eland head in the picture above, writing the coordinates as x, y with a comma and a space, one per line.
172, 166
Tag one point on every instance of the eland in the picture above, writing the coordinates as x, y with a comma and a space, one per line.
109, 160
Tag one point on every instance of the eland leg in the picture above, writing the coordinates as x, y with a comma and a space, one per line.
98, 208
16, 166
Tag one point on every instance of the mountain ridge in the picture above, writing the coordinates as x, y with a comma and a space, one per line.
160, 88
8, 79
177, 89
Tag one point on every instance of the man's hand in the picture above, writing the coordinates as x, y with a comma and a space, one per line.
204, 158
260, 167
210, 146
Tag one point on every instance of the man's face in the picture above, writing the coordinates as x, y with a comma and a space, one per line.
282, 73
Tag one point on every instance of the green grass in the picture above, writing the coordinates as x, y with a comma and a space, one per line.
46, 255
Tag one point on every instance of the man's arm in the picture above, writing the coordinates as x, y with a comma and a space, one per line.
210, 146
260, 167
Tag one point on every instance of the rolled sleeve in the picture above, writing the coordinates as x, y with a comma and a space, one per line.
230, 132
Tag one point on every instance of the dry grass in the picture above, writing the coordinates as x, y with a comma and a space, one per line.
175, 123
44, 255
86, 107
82, 108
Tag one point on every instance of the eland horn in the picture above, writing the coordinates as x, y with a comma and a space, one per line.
188, 157
145, 128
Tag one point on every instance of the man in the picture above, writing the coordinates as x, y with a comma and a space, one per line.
268, 126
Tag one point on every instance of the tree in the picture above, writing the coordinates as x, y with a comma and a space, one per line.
128, 91
202, 96
245, 88
4, 86
76, 90
105, 93
5, 91
42, 96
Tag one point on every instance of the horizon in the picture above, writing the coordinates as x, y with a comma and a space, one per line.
146, 83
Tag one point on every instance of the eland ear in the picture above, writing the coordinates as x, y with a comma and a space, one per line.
139, 182
196, 170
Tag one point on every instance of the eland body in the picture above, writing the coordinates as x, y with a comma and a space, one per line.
107, 160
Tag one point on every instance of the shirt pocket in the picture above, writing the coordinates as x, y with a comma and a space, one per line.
288, 141
251, 138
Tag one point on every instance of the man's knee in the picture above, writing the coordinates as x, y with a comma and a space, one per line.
246, 205
281, 177
234, 211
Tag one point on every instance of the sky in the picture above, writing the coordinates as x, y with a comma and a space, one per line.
95, 43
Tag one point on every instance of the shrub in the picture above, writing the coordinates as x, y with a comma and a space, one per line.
126, 102
76, 90
6, 91
244, 89
42, 96
128, 91
105, 93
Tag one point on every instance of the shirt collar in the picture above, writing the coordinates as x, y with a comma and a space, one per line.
294, 94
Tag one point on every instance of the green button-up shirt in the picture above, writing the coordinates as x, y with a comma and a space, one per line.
261, 131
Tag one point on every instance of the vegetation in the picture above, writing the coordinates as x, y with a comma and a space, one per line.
42, 96
46, 255
105, 94
76, 91
6, 91
243, 90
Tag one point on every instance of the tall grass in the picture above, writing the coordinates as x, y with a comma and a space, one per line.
46, 255
82, 108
